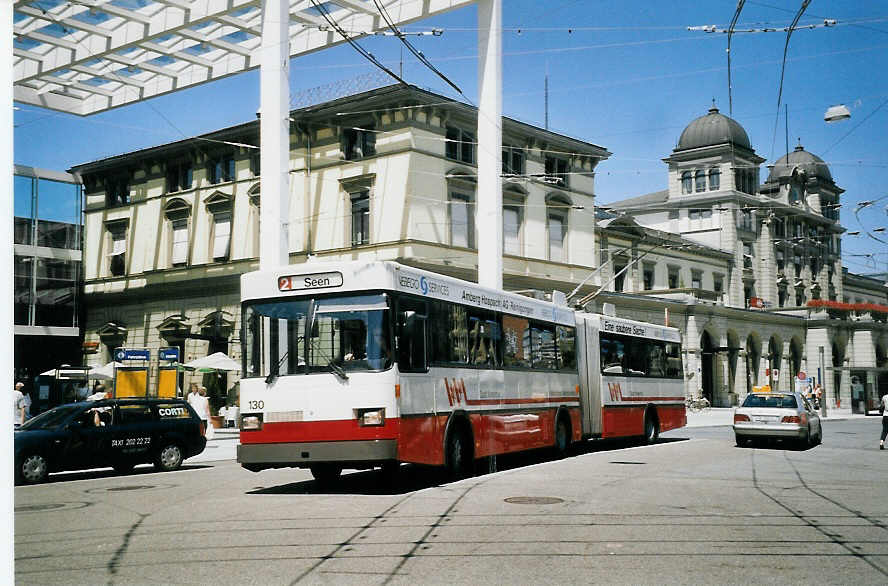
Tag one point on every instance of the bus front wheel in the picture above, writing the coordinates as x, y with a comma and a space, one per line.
326, 474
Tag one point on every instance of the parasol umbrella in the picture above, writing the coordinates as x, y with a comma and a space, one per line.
104, 372
217, 361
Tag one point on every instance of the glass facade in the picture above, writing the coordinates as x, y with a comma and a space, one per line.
48, 258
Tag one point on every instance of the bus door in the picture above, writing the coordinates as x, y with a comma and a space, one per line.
589, 366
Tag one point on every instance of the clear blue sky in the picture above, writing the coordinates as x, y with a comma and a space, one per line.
628, 76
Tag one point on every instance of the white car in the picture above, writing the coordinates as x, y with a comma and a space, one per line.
777, 416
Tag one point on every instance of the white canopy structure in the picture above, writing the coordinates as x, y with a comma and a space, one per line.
217, 361
93, 55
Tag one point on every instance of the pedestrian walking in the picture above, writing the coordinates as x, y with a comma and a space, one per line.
18, 404
201, 405
883, 409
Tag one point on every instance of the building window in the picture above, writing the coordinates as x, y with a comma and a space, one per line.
781, 261
700, 180
460, 145
557, 170
179, 256
718, 283
714, 179
799, 296
648, 276
360, 217
700, 214
462, 220
673, 277
620, 275
221, 235
255, 164
512, 230
557, 228
513, 161
358, 143
746, 220
686, 182
696, 279
673, 214
117, 256
221, 169
179, 177
177, 211
747, 255
117, 191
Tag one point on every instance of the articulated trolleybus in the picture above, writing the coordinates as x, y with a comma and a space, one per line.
365, 364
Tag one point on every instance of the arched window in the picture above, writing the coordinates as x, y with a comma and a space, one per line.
177, 211
686, 183
714, 179
700, 180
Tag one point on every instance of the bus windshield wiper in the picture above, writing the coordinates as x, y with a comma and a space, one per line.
275, 372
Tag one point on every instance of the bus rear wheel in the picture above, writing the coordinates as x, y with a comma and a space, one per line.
562, 437
651, 427
458, 457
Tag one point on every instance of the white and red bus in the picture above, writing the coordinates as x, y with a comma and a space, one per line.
365, 364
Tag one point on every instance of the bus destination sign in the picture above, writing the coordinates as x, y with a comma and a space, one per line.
310, 281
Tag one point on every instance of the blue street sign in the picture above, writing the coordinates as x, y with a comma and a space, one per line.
132, 354
171, 354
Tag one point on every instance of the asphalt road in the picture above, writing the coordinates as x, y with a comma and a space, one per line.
693, 509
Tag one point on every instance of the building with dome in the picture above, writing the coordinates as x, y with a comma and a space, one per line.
750, 272
784, 302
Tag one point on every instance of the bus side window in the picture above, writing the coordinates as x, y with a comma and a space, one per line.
412, 336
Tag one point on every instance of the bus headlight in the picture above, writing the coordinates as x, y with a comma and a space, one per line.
372, 417
251, 422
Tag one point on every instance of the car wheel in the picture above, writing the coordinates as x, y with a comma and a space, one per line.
740, 440
33, 469
326, 474
819, 439
169, 458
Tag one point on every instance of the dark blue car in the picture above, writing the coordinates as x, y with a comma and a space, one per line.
119, 433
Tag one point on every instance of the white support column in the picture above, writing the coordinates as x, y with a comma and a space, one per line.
489, 198
7, 364
274, 129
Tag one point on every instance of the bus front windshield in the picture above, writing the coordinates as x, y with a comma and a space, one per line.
333, 334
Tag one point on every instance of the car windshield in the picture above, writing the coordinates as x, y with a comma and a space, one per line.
774, 401
53, 418
333, 334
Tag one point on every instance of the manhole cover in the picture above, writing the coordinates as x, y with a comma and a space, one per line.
49, 507
129, 488
533, 500
628, 463
35, 508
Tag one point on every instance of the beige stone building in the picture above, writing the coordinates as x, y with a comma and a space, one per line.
390, 174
